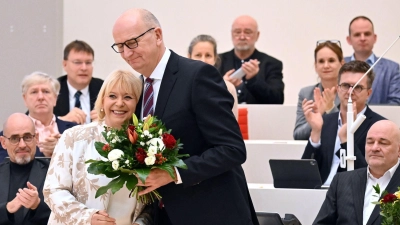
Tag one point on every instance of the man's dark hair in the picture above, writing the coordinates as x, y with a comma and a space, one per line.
78, 46
357, 67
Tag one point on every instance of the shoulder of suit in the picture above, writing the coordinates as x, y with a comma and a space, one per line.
371, 113
62, 78
388, 62
43, 162
97, 80
307, 89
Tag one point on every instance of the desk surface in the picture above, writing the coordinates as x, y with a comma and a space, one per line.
303, 203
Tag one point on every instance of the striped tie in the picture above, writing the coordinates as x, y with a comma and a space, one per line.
77, 100
148, 98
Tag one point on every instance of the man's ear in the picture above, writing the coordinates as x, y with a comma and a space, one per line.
3, 142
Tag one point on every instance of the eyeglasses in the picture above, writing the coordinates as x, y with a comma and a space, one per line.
15, 139
80, 63
246, 33
345, 87
331, 41
131, 43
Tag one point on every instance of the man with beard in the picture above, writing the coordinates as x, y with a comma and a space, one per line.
262, 83
21, 198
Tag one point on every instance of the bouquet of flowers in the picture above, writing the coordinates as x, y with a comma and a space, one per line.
132, 151
390, 206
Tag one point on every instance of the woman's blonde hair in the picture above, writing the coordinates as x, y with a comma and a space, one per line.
122, 80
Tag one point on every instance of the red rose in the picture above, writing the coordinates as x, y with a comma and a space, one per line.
106, 147
140, 155
169, 140
389, 198
132, 135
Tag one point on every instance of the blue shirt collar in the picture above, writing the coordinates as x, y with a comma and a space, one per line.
371, 59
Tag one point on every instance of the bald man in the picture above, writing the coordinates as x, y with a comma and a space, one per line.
22, 178
262, 83
350, 195
191, 98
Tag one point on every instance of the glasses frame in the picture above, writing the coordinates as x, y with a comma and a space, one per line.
19, 139
132, 39
356, 90
331, 41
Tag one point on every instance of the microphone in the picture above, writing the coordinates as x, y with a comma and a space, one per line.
353, 126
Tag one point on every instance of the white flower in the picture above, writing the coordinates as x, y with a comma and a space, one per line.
116, 138
160, 132
113, 141
146, 133
150, 160
141, 143
157, 142
142, 136
108, 133
115, 164
115, 154
150, 136
127, 162
152, 151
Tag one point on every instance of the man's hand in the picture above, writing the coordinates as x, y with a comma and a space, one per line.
13, 205
251, 68
102, 218
325, 100
156, 179
48, 145
234, 81
29, 197
75, 115
314, 118
93, 115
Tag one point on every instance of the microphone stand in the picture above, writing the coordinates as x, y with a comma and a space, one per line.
352, 126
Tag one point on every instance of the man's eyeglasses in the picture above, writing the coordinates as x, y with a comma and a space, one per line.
345, 87
246, 33
80, 63
15, 139
331, 41
131, 43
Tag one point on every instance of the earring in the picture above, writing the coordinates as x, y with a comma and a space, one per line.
101, 110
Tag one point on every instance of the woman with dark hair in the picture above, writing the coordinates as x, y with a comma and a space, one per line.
204, 48
328, 58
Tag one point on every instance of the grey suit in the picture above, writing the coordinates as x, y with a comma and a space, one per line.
302, 129
386, 86
345, 199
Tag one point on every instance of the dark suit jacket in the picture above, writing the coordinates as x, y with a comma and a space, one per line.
62, 105
267, 86
323, 155
41, 214
62, 126
345, 199
193, 101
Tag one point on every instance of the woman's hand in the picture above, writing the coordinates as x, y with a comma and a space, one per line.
102, 218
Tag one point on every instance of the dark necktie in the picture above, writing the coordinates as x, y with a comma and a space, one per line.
77, 100
148, 108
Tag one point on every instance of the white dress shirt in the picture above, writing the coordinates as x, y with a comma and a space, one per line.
370, 195
84, 98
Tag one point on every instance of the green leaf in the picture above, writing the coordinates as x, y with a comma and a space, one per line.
134, 120
377, 189
167, 167
99, 148
143, 173
131, 181
118, 185
103, 190
96, 168
179, 164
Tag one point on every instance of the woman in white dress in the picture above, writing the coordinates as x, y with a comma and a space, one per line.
69, 189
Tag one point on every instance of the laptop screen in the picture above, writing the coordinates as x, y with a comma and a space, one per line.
295, 173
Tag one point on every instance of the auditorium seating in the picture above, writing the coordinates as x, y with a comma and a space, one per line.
276, 122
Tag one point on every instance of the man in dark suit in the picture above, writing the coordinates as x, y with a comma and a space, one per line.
79, 89
329, 132
21, 198
191, 98
262, 83
350, 196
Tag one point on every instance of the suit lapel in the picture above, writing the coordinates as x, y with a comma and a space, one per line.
167, 84
358, 188
331, 133
63, 98
4, 185
364, 127
139, 104
391, 188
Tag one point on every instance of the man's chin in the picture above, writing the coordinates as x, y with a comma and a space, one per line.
23, 160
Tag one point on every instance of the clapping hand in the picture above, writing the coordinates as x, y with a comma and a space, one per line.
325, 101
48, 145
251, 68
29, 197
314, 118
75, 115
234, 81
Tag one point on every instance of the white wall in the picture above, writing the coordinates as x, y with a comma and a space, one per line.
289, 29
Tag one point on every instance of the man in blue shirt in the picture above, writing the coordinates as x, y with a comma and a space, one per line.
386, 87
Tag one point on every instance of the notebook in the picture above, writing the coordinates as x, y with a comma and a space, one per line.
295, 173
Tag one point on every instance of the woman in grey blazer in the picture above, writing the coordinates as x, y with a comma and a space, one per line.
328, 58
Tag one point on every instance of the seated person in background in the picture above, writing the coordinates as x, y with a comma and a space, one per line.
204, 48
350, 196
262, 83
329, 131
22, 178
79, 89
328, 58
40, 91
387, 73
